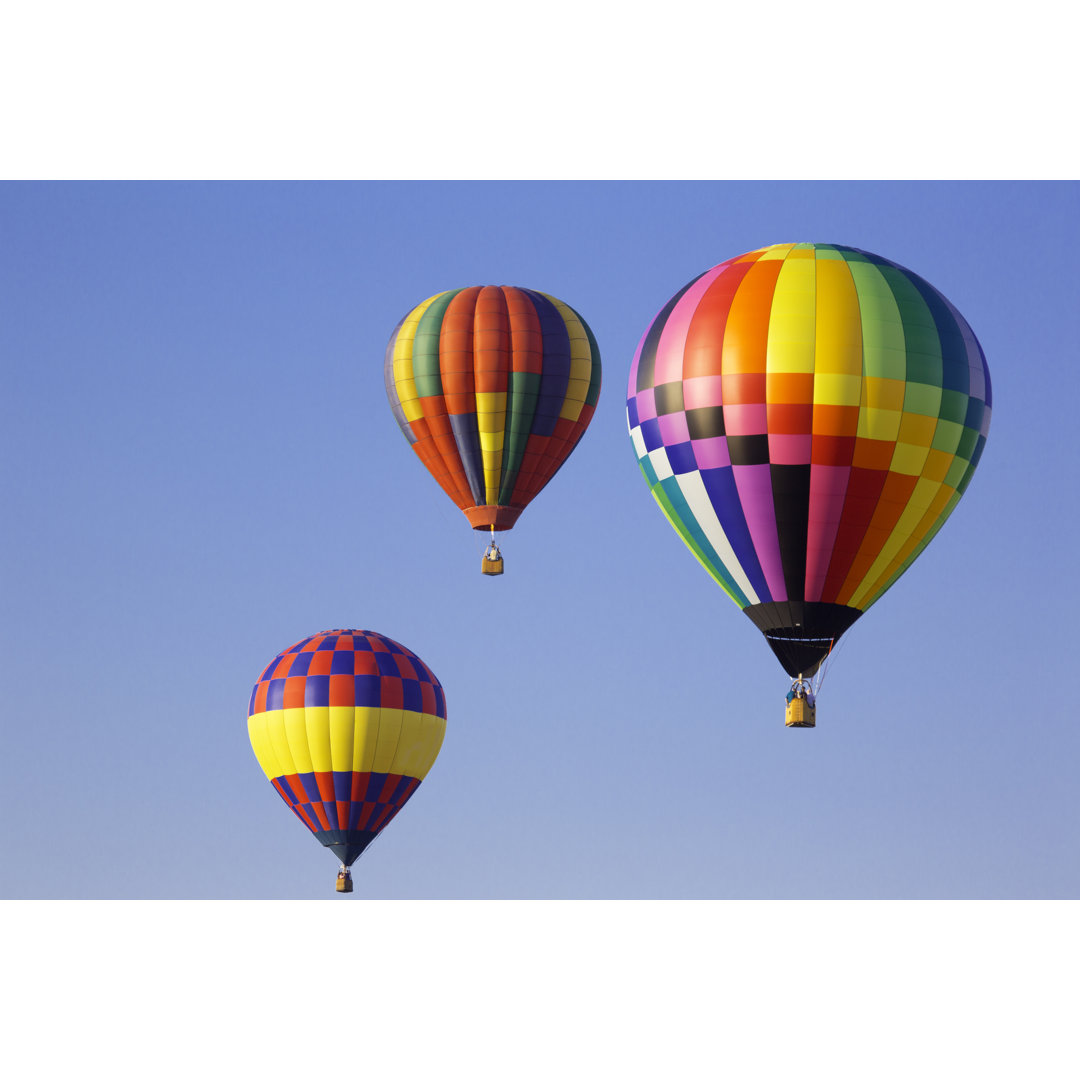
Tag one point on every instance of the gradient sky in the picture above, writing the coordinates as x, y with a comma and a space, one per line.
202, 468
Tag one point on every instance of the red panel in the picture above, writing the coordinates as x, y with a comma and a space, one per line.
359, 786
283, 665
788, 419
294, 692
427, 698
405, 666
342, 690
260, 698
827, 450
391, 692
364, 663
325, 781
320, 663
703, 352
526, 337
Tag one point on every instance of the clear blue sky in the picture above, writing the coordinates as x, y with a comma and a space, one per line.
202, 468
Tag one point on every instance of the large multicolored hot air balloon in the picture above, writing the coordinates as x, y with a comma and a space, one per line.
345, 724
493, 386
807, 416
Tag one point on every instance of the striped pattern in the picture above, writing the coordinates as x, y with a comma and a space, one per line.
345, 725
807, 416
493, 387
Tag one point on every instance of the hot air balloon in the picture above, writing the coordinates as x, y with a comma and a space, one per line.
493, 386
807, 416
345, 724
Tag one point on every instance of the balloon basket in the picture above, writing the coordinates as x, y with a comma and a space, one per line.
800, 713
344, 881
491, 566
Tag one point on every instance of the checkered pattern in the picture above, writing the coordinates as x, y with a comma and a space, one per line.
338, 698
493, 386
348, 667
807, 416
346, 802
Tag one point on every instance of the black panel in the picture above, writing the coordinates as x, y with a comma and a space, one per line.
706, 423
347, 845
748, 449
801, 634
791, 501
668, 398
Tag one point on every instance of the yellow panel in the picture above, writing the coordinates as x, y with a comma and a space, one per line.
792, 319
937, 464
263, 746
837, 389
413, 410
386, 744
917, 429
295, 721
884, 393
838, 346
879, 423
417, 754
275, 728
908, 459
365, 735
342, 726
411, 723
775, 251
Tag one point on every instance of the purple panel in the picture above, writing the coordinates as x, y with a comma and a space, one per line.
646, 404
673, 428
712, 453
755, 493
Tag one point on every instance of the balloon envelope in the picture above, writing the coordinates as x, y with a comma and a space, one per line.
807, 416
346, 724
493, 386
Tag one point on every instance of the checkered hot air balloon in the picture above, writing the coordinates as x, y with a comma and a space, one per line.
807, 416
346, 724
493, 386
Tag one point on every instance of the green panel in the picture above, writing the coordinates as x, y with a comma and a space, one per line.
954, 406
967, 444
922, 399
956, 472
882, 326
522, 394
947, 436
426, 346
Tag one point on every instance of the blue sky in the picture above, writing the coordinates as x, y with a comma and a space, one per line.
203, 468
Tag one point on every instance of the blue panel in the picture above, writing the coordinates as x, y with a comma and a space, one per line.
341, 663
631, 412
681, 458
275, 694
327, 644
413, 696
342, 786
317, 690
467, 440
650, 432
368, 691
301, 664
387, 664
311, 786
555, 375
